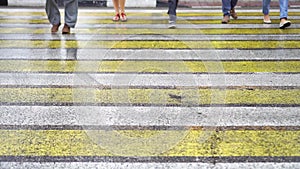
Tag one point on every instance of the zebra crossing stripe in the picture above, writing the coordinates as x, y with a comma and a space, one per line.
65, 143
152, 97
134, 44
141, 21
134, 31
130, 13
149, 66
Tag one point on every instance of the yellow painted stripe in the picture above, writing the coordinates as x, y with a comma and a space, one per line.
149, 44
149, 143
181, 14
143, 21
117, 31
150, 96
149, 66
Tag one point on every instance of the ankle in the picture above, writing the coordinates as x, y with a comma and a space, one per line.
283, 19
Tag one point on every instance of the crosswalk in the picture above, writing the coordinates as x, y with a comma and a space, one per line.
139, 95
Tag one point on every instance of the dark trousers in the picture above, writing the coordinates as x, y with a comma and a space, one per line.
172, 7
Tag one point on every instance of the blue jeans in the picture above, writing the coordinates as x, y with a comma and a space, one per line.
227, 5
283, 4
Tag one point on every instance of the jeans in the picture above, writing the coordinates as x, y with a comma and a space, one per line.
172, 7
227, 5
283, 4
71, 12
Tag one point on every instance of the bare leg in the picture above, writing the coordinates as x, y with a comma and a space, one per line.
116, 6
122, 6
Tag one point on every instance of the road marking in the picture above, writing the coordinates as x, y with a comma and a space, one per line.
155, 26
151, 54
133, 44
134, 31
143, 21
207, 163
188, 97
151, 37
64, 117
107, 66
140, 13
59, 143
256, 80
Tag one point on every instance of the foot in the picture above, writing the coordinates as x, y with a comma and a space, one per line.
54, 28
172, 24
225, 19
233, 14
284, 23
123, 17
267, 19
116, 17
172, 21
66, 29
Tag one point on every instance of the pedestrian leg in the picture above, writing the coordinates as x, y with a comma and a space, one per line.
172, 13
284, 14
266, 10
71, 13
53, 14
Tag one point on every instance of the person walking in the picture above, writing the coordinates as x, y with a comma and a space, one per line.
283, 5
172, 13
228, 10
119, 6
71, 13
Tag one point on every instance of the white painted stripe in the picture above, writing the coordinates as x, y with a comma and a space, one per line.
135, 17
35, 3
178, 165
144, 3
154, 26
150, 54
150, 80
150, 116
141, 10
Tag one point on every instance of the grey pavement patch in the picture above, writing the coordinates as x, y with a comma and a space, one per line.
151, 80
150, 54
127, 165
150, 116
149, 37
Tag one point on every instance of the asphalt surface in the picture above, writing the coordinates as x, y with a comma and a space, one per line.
136, 94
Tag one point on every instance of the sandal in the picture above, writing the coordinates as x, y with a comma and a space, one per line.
116, 17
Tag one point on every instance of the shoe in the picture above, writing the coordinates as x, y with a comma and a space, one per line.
284, 24
225, 19
54, 28
172, 24
123, 17
172, 21
116, 17
66, 29
233, 14
267, 21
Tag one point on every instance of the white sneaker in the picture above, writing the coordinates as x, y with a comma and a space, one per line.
172, 24
267, 21
172, 21
284, 24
